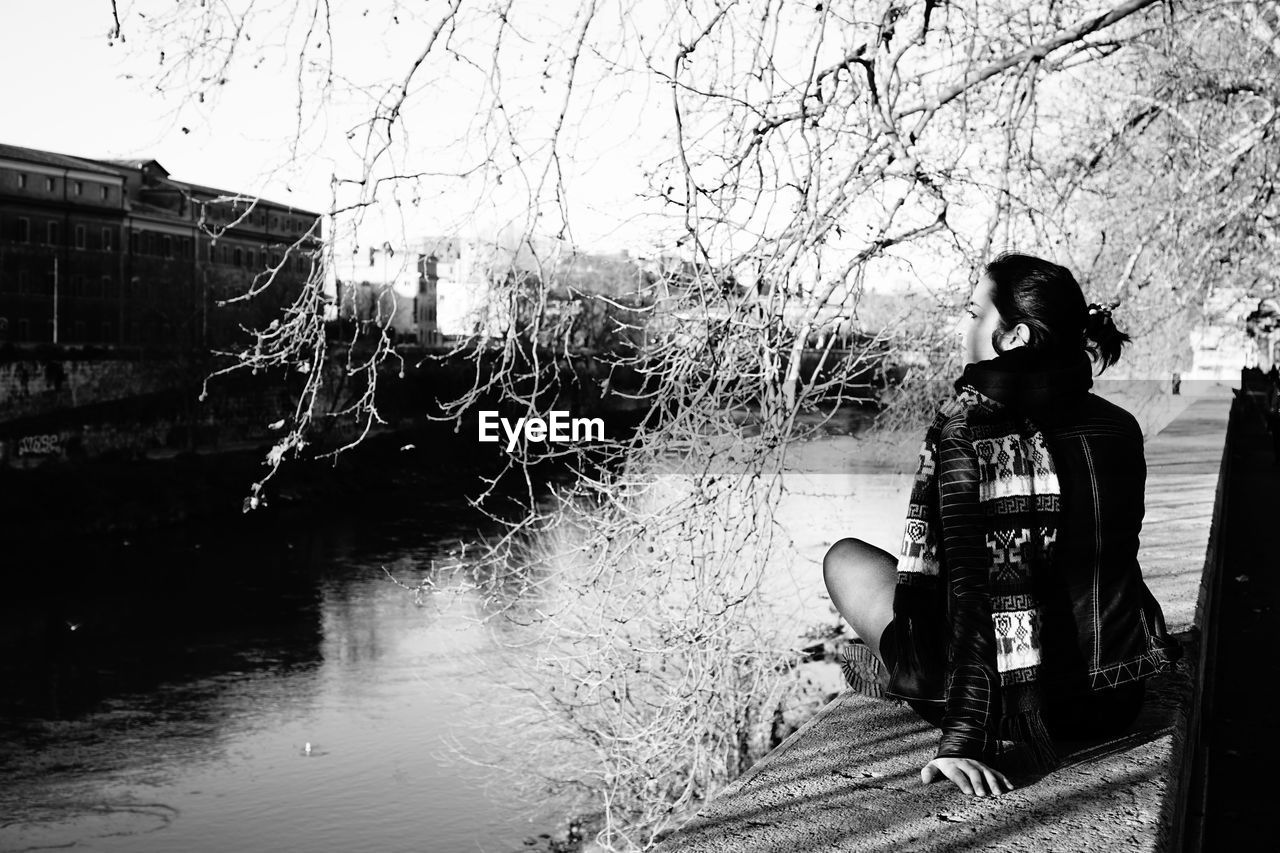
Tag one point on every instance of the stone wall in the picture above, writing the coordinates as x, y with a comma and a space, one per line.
72, 409
39, 386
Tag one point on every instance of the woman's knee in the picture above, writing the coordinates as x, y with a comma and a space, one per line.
860, 579
851, 553
855, 564
843, 555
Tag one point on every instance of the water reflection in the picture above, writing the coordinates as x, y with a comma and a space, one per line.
175, 715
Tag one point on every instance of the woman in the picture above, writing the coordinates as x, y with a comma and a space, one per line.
1016, 608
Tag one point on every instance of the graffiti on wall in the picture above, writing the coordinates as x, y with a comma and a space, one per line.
49, 444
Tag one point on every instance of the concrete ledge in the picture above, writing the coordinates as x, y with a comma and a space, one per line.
849, 780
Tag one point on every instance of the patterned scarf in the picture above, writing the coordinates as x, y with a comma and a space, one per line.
1020, 501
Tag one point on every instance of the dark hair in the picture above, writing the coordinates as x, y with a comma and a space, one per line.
1046, 297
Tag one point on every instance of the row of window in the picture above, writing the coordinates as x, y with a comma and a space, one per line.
78, 188
23, 282
23, 330
73, 285
225, 212
256, 260
20, 231
87, 286
157, 245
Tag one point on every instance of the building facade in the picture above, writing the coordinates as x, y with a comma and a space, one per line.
118, 254
392, 288
426, 304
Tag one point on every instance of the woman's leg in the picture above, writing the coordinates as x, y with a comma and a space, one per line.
860, 579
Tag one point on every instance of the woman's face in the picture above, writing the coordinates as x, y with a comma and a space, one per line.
980, 321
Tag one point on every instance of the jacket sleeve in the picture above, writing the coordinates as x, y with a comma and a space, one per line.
970, 712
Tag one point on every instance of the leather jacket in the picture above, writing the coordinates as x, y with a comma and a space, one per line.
1100, 626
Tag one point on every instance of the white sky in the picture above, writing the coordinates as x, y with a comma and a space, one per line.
67, 90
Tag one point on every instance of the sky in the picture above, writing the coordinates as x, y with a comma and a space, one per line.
89, 97
79, 100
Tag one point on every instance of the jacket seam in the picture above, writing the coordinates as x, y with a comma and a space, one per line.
1142, 619
1076, 431
1138, 668
1087, 428
1097, 553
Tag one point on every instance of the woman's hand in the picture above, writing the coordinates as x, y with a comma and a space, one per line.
970, 775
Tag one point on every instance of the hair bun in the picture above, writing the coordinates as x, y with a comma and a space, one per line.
1098, 308
1102, 339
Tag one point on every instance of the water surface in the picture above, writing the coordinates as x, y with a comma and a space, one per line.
175, 716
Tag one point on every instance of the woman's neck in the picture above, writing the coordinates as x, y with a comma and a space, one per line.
1031, 381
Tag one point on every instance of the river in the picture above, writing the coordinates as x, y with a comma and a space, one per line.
171, 708
163, 698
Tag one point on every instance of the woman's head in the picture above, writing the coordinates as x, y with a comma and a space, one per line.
1026, 301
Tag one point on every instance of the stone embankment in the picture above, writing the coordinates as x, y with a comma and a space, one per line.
848, 779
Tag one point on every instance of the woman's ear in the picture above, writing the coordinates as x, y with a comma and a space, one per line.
1019, 336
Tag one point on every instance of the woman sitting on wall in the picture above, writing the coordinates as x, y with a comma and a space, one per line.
1016, 608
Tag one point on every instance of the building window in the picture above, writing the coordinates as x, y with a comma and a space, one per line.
106, 333
48, 185
226, 254
24, 329
24, 281
51, 233
79, 332
104, 193
238, 257
77, 285
108, 286
77, 187
209, 252
79, 236
106, 239
23, 230
167, 242
22, 181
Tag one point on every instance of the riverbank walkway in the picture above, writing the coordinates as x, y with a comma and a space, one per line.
849, 779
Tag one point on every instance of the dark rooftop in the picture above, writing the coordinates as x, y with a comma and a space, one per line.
49, 158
